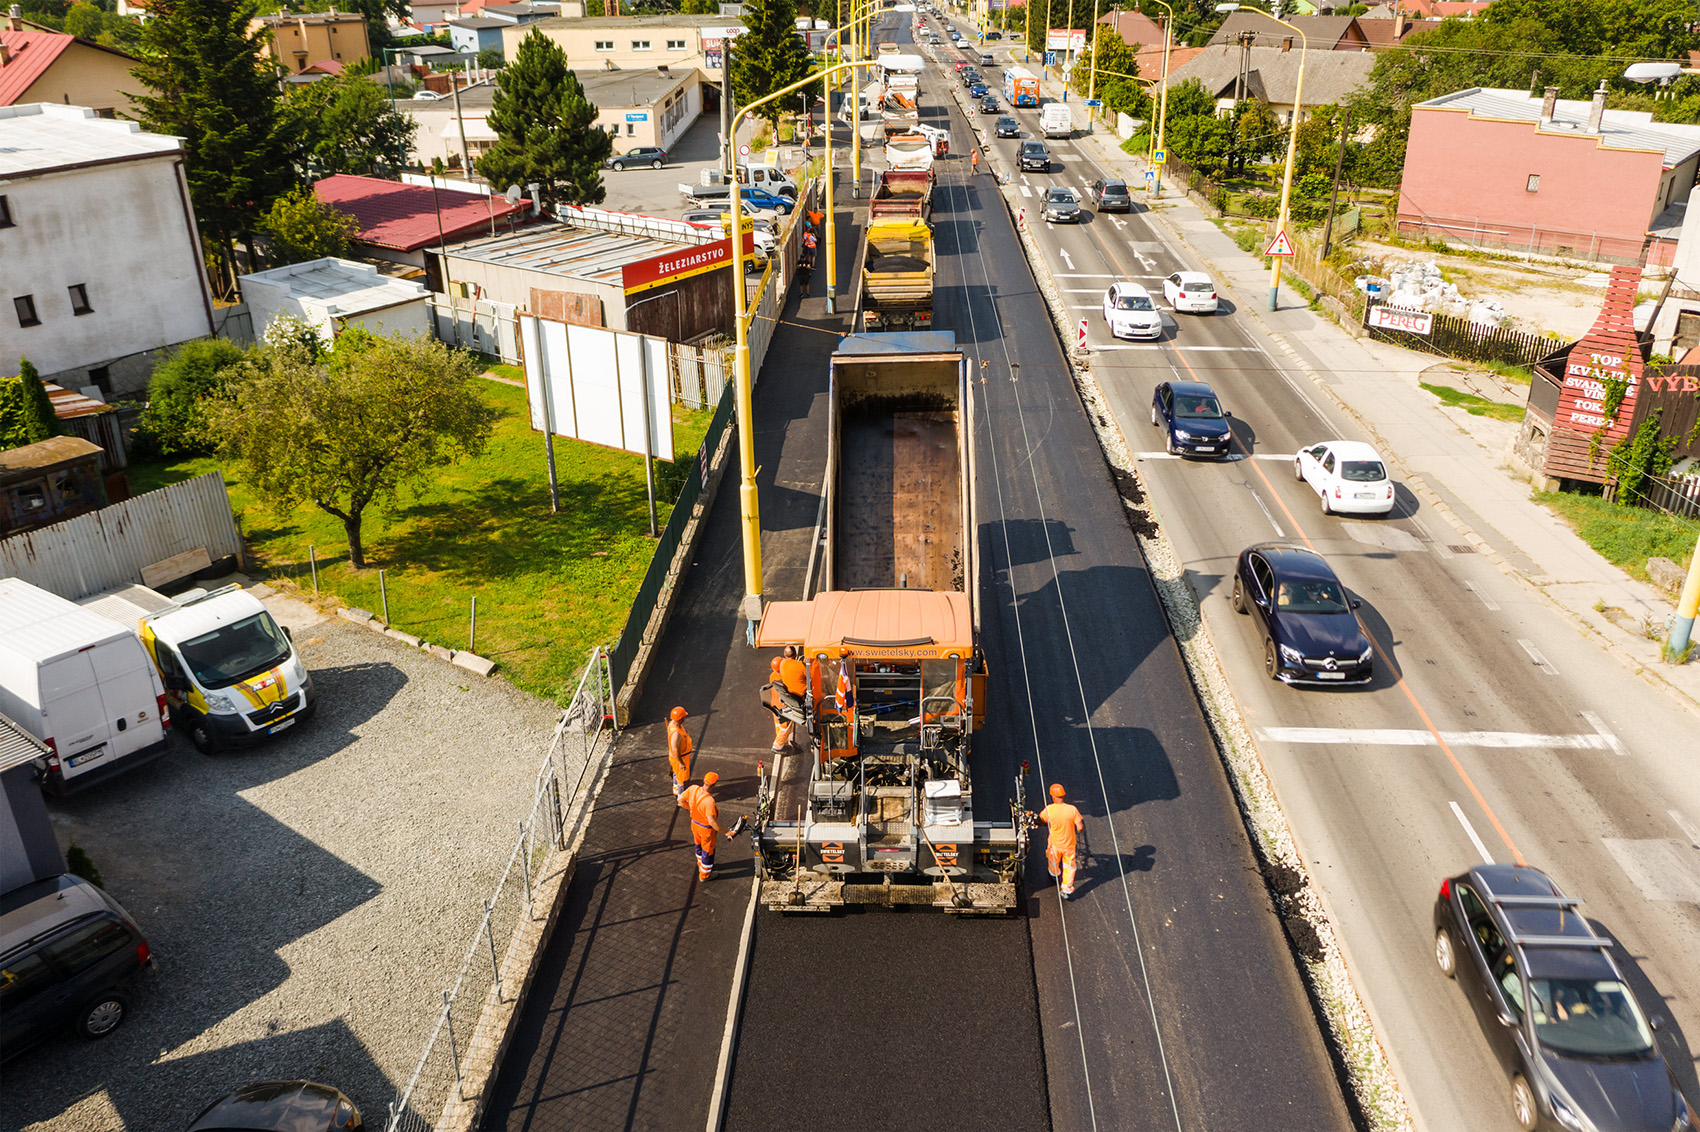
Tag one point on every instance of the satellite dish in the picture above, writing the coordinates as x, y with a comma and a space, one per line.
511, 195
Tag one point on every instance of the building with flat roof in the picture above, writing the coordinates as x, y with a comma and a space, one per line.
333, 294
99, 247
399, 220
299, 39
38, 64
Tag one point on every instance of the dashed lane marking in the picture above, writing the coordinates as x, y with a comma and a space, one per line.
1604, 732
1486, 600
1458, 812
1541, 662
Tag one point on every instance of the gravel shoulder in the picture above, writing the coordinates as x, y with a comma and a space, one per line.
307, 900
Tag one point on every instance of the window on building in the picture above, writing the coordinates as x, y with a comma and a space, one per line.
25, 306
80, 298
1534, 184
604, 45
631, 130
102, 376
675, 45
5, 213
640, 45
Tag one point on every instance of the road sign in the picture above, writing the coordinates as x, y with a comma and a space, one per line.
1080, 335
1161, 157
1094, 102
1150, 176
1280, 245
744, 150
1050, 58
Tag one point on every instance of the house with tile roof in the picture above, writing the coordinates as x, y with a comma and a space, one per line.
301, 38
399, 221
38, 64
1230, 73
1323, 33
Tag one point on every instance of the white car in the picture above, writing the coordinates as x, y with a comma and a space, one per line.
1350, 477
1130, 313
1190, 291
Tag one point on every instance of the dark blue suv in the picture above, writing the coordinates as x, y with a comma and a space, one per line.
1192, 419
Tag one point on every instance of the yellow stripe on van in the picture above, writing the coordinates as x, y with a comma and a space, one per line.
265, 689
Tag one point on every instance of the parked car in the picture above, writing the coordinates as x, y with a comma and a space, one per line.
280, 1106
1110, 196
1190, 291
768, 201
1130, 313
1035, 158
1310, 628
1192, 419
69, 955
1554, 1006
651, 155
994, 35
989, 105
1008, 127
1350, 476
1060, 207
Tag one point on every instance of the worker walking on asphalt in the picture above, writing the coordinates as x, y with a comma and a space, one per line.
678, 750
705, 822
1065, 824
974, 160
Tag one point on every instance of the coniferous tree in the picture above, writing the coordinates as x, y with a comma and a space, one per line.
545, 128
768, 57
26, 411
211, 84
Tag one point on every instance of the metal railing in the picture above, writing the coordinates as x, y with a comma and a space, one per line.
494, 956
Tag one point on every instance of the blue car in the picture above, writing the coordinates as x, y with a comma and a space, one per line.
979, 90
758, 197
1192, 419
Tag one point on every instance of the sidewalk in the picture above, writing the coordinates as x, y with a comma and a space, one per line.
1438, 457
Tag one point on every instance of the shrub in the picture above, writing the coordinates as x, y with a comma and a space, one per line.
78, 862
172, 424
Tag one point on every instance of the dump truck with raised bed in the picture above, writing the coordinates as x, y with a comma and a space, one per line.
897, 276
884, 806
903, 193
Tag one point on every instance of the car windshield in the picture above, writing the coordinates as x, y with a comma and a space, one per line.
1317, 596
1134, 303
1362, 471
1060, 196
235, 652
1196, 408
1589, 1017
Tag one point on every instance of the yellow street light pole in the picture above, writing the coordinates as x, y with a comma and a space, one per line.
828, 81
855, 26
1162, 107
749, 513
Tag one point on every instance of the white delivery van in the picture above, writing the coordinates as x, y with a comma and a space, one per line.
1056, 120
81, 684
231, 673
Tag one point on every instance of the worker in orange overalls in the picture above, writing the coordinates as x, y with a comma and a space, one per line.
678, 750
705, 822
790, 671
1065, 823
781, 727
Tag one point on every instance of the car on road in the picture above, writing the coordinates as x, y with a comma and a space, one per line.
763, 199
1110, 196
1190, 291
994, 35
969, 76
1130, 313
1035, 158
651, 155
979, 90
1060, 207
1192, 419
280, 1106
1554, 1006
961, 63
989, 105
1310, 627
986, 59
933, 39
1008, 127
954, 37
1350, 476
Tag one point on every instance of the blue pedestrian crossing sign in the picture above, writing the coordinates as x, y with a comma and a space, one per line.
1161, 157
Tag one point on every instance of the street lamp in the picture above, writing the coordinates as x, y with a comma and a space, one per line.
1292, 140
855, 101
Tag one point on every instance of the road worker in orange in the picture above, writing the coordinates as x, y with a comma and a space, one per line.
678, 750
781, 726
845, 693
790, 671
705, 822
1061, 849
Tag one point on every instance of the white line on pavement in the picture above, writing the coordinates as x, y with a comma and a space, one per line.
1069, 263
1025, 191
1487, 858
1417, 737
1604, 732
1486, 600
1541, 662
1689, 830
1279, 533
1232, 456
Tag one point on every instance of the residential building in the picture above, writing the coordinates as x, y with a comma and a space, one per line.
472, 34
39, 64
431, 15
102, 257
1230, 73
398, 221
299, 39
1561, 176
637, 42
1322, 33
333, 294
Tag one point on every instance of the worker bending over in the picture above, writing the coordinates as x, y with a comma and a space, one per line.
1061, 849
705, 822
678, 750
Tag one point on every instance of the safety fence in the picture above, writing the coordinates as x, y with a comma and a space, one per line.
460, 1051
1570, 243
1454, 337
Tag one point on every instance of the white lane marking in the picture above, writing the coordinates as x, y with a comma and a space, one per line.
1089, 275
1069, 263
1279, 533
1119, 223
1081, 290
1413, 737
1487, 858
1541, 662
1145, 261
1662, 868
1235, 456
1604, 732
1689, 829
1486, 600
1127, 345
1215, 349
1025, 191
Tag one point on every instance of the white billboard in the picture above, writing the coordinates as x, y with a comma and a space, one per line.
1061, 39
604, 386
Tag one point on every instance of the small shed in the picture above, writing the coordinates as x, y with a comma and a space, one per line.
49, 481
330, 294
94, 421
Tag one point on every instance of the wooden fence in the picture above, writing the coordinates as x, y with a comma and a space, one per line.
1454, 337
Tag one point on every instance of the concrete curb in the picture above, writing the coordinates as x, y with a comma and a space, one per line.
470, 661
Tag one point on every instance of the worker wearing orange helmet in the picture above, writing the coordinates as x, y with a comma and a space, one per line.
705, 822
1061, 850
679, 750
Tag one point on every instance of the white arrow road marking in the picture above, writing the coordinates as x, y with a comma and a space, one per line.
1119, 222
1145, 261
1066, 260
1401, 737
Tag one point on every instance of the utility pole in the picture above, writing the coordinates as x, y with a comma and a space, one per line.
1334, 191
728, 147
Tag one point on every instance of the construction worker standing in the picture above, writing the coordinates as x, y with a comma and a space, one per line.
845, 693
705, 822
1065, 824
678, 750
781, 726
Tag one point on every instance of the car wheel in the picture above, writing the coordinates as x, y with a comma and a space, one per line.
1237, 599
1169, 443
1444, 956
102, 1015
1298, 470
656, 164
1523, 1107
1327, 507
617, 166
201, 735
1271, 660
1153, 414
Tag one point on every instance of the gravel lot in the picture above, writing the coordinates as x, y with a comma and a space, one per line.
307, 900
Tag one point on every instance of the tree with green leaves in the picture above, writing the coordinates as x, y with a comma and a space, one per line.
490, 59
1202, 141
699, 7
545, 128
26, 411
211, 84
350, 428
1116, 62
299, 227
173, 424
769, 56
345, 125
1258, 133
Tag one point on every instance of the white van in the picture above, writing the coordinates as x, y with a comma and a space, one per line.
81, 684
1056, 120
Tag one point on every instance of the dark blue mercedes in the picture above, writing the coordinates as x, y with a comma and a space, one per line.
1310, 633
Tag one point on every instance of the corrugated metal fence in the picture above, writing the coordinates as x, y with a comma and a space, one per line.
109, 548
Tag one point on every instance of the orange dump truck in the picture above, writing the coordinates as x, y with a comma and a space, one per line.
882, 807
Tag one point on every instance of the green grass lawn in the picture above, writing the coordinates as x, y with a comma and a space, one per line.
1475, 406
548, 586
1625, 536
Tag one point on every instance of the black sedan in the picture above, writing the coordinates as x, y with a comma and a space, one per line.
1556, 1010
989, 105
1008, 127
1035, 158
1060, 207
1192, 419
1110, 196
653, 156
280, 1106
1310, 633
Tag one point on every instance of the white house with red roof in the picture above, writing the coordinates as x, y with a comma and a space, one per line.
39, 64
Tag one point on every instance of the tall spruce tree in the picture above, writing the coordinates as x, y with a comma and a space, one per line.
213, 86
768, 57
545, 128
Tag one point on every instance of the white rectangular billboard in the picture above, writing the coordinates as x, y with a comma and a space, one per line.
591, 383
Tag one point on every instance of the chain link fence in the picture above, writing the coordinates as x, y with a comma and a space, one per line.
463, 1037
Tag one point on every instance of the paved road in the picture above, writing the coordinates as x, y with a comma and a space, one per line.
1552, 750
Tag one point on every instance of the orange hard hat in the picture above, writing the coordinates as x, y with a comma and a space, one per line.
677, 713
843, 650
1057, 790
710, 778
775, 665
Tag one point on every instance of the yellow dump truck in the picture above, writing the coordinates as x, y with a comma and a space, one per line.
897, 276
